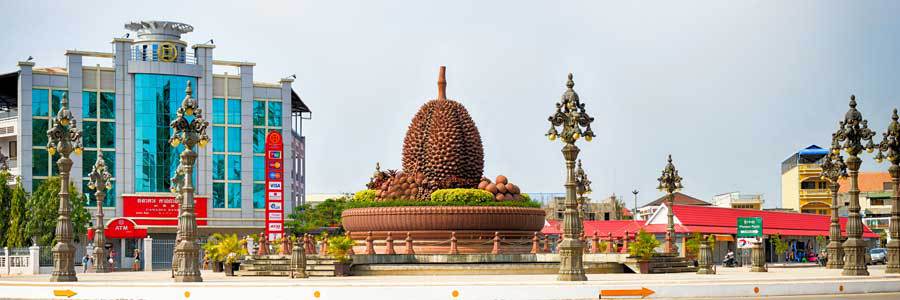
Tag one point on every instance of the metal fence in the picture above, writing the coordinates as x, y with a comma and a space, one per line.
163, 249
45, 258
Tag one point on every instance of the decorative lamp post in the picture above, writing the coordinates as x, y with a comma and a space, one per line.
190, 129
852, 131
890, 149
571, 117
65, 138
833, 169
634, 212
100, 183
705, 259
582, 187
670, 183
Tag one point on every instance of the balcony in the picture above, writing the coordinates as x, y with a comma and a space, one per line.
810, 170
8, 126
815, 193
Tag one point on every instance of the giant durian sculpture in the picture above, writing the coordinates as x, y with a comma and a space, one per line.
442, 149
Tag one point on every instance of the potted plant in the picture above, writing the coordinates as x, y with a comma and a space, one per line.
643, 249
339, 248
211, 252
230, 250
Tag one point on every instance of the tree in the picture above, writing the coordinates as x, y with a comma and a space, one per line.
43, 210
5, 200
780, 245
16, 236
692, 245
307, 218
643, 246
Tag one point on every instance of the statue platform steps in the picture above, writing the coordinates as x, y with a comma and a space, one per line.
280, 265
664, 263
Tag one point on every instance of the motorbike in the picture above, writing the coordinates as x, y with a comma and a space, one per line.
729, 260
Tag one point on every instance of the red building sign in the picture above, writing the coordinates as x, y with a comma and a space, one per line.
123, 228
159, 210
274, 185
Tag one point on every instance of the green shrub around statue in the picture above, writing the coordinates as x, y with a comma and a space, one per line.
643, 246
444, 197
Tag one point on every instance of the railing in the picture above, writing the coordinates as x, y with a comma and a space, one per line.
545, 198
45, 258
17, 261
815, 193
877, 223
138, 54
810, 168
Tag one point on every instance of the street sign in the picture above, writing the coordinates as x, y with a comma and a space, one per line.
746, 242
274, 184
749, 227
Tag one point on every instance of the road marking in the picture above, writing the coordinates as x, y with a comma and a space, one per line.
455, 293
317, 294
643, 292
187, 294
64, 293
756, 290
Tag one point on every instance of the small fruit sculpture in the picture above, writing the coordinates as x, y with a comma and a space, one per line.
502, 189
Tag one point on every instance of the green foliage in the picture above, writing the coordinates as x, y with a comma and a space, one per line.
461, 195
525, 197
692, 245
16, 236
643, 246
43, 211
820, 241
780, 245
224, 248
5, 201
394, 203
306, 218
365, 195
339, 247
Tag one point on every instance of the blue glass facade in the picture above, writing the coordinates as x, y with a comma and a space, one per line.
226, 140
156, 97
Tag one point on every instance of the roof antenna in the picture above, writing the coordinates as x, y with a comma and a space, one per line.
442, 84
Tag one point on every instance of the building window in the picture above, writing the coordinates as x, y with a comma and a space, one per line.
99, 135
888, 186
158, 97
13, 150
45, 103
876, 201
226, 141
267, 115
808, 185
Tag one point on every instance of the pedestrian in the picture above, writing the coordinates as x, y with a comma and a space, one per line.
112, 260
85, 262
136, 265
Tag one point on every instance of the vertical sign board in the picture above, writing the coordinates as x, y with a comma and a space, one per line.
749, 230
274, 185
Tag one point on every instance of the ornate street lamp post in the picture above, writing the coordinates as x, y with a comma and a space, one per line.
582, 186
833, 169
190, 129
849, 136
634, 212
890, 149
65, 137
670, 183
100, 182
570, 116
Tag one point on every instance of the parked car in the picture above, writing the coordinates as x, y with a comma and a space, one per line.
878, 255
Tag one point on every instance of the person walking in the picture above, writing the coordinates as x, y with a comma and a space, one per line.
112, 260
85, 263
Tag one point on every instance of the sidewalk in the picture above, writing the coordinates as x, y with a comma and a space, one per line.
730, 282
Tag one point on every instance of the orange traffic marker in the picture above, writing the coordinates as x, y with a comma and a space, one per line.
643, 292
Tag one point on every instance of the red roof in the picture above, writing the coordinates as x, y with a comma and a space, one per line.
680, 199
711, 219
716, 220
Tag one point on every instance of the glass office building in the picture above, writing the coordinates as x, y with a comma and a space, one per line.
124, 110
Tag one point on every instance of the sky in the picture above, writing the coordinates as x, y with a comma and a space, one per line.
729, 88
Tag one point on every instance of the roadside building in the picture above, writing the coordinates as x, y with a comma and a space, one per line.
644, 212
739, 200
799, 231
610, 208
875, 191
124, 109
802, 187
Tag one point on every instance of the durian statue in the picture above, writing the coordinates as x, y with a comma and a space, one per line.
442, 150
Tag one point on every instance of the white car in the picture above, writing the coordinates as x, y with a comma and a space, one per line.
877, 255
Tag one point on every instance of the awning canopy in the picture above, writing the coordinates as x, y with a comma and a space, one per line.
123, 228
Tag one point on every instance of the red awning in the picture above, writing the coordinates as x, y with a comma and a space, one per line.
123, 228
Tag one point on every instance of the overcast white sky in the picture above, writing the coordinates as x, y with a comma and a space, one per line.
729, 88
